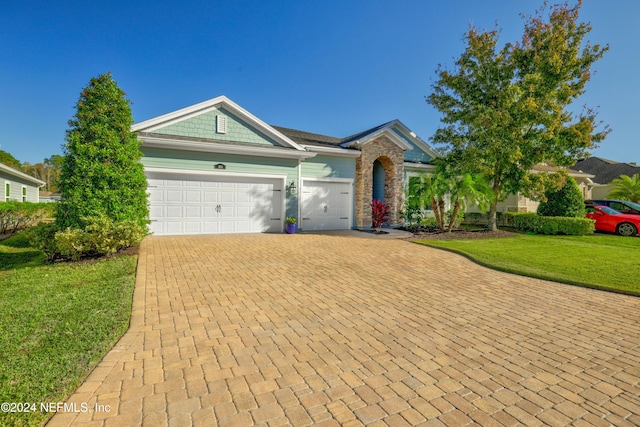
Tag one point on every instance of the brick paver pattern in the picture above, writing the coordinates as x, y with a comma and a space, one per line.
299, 330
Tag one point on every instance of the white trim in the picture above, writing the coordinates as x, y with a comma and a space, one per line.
223, 148
7, 196
416, 139
17, 173
338, 151
329, 179
215, 173
156, 169
24, 193
384, 131
206, 106
422, 166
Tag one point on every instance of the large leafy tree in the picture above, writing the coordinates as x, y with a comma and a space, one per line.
626, 188
504, 110
7, 159
47, 171
101, 173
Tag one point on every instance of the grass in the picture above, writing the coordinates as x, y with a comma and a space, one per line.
598, 261
57, 321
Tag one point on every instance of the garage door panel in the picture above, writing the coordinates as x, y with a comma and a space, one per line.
173, 212
192, 204
209, 196
227, 196
173, 196
155, 195
192, 196
210, 227
192, 227
192, 212
173, 228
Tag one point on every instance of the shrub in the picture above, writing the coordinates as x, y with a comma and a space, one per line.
379, 214
15, 216
567, 201
100, 237
429, 222
476, 218
42, 237
534, 223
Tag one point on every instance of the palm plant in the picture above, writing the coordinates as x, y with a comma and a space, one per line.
429, 190
468, 189
626, 188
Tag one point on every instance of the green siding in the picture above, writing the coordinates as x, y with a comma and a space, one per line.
204, 126
414, 155
175, 159
322, 166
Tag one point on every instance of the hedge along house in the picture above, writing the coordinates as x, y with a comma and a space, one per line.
216, 168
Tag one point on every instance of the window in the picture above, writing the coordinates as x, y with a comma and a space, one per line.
24, 193
7, 191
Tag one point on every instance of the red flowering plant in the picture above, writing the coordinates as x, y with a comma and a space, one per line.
379, 214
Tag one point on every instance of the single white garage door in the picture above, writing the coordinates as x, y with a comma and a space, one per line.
211, 204
326, 205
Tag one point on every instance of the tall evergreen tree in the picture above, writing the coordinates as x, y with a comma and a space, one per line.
101, 172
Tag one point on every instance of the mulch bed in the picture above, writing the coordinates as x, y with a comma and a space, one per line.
461, 234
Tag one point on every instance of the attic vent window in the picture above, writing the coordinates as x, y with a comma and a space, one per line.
221, 124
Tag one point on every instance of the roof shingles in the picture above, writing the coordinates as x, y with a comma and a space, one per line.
605, 170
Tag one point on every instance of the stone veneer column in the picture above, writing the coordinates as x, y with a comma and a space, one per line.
392, 159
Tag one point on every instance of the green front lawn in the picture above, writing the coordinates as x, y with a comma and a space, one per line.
597, 261
56, 323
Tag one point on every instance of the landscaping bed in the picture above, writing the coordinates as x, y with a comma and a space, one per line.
460, 234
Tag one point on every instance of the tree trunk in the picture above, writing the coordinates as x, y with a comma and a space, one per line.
454, 215
493, 226
493, 208
436, 213
443, 217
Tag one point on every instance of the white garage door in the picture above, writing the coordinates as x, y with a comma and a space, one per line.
326, 205
203, 204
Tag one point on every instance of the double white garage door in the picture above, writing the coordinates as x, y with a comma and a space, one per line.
210, 204
181, 203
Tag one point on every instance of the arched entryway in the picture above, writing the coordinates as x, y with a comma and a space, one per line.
382, 178
379, 177
378, 181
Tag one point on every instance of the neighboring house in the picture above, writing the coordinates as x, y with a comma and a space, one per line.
18, 186
216, 168
604, 172
49, 197
519, 203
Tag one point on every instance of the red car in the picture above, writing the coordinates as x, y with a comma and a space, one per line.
611, 220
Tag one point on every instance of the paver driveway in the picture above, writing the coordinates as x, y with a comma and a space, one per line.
326, 330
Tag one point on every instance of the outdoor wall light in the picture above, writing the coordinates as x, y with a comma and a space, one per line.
292, 187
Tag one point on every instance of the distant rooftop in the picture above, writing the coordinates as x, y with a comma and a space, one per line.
605, 170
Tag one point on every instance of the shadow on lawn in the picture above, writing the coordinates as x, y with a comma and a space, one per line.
15, 252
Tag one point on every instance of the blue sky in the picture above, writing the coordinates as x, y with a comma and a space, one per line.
329, 67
